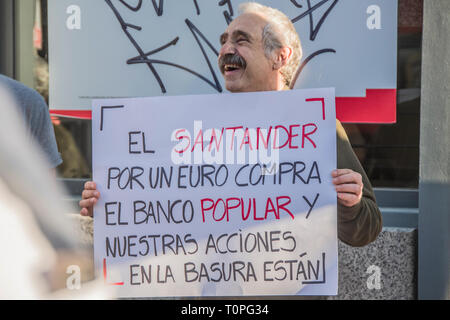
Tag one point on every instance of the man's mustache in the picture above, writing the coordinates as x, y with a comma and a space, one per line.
233, 59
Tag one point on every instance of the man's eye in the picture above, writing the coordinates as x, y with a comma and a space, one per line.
241, 40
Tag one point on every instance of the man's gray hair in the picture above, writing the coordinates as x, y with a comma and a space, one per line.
278, 33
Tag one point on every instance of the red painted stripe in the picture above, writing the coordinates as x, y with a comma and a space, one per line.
378, 106
78, 114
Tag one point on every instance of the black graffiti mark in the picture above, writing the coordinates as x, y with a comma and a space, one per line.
125, 27
195, 31
197, 7
139, 58
130, 6
310, 10
227, 14
294, 2
315, 30
159, 8
314, 54
308, 59
144, 57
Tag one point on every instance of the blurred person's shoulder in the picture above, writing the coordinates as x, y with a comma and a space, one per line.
28, 99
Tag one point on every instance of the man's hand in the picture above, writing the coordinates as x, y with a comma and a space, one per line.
348, 185
89, 198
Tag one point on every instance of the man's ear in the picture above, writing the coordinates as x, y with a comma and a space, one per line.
282, 57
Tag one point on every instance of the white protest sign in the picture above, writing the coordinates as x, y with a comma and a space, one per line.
217, 195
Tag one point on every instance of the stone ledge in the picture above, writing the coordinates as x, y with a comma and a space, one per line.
394, 253
84, 228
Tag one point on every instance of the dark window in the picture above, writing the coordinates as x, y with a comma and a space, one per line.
390, 152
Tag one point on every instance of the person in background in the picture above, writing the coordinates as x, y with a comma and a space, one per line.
39, 242
35, 114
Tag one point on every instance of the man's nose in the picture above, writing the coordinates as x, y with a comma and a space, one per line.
227, 48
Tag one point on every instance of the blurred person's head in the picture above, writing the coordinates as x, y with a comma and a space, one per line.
37, 239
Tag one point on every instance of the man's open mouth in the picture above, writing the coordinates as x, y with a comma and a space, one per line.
231, 63
231, 67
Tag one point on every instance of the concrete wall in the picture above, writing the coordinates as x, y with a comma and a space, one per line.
384, 270
434, 175
24, 51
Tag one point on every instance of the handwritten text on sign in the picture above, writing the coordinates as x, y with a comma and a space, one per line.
222, 195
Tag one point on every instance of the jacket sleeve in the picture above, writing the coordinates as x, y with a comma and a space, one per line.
358, 225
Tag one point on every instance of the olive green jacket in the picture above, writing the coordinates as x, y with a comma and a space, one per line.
358, 225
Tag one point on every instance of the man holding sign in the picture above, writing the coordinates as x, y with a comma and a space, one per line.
261, 52
231, 230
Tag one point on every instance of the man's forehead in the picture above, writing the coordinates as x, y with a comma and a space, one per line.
247, 23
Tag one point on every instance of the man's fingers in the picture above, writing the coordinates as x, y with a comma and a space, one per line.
340, 172
84, 212
348, 185
90, 185
349, 188
353, 177
86, 203
86, 194
348, 198
86, 206
89, 196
